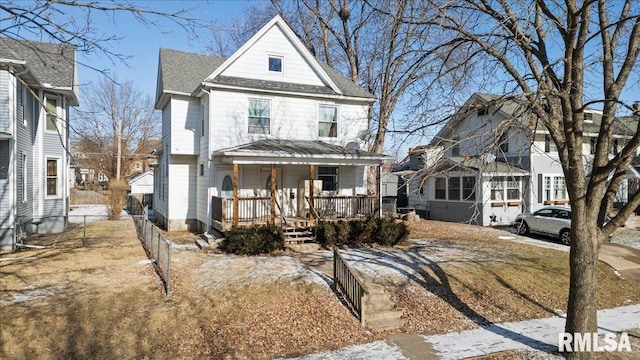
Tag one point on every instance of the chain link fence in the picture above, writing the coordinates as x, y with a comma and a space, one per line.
158, 248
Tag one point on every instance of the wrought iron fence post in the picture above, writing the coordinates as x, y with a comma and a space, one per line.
168, 271
84, 230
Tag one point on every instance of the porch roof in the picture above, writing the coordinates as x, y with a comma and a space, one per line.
297, 152
487, 168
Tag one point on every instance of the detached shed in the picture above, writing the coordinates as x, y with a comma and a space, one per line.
142, 188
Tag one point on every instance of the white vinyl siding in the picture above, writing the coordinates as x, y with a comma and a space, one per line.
251, 64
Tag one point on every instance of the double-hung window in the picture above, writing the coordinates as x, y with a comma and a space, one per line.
52, 177
52, 114
259, 116
513, 188
454, 188
497, 188
328, 121
441, 188
559, 188
329, 177
468, 188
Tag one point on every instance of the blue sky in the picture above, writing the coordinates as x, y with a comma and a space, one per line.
142, 42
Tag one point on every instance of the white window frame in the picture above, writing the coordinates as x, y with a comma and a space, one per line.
337, 108
58, 178
57, 115
497, 186
335, 176
557, 187
509, 182
249, 100
275, 56
24, 177
21, 93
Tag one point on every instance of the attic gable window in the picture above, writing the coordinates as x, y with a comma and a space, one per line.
275, 63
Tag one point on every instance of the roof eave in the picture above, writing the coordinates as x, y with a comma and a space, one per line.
214, 86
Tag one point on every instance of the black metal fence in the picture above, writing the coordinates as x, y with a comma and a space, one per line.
158, 248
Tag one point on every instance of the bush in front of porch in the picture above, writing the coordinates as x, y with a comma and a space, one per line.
382, 231
253, 240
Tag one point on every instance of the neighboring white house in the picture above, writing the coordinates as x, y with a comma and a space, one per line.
269, 134
490, 163
37, 86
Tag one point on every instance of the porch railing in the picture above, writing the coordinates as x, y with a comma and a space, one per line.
332, 206
345, 280
257, 210
251, 210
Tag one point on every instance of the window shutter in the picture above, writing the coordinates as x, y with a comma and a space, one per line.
540, 188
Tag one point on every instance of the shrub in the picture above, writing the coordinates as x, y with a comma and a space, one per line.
253, 240
390, 232
385, 231
325, 234
117, 198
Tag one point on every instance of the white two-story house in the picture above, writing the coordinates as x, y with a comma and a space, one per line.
268, 135
491, 162
37, 87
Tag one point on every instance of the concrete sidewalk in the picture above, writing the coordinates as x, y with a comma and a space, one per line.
538, 336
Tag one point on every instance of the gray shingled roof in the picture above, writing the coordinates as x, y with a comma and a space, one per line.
271, 147
52, 64
184, 72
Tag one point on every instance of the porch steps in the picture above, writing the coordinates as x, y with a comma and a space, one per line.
298, 235
378, 310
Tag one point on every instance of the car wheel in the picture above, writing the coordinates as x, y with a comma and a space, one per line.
522, 228
565, 237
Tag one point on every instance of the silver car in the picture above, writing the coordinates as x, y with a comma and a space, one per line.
551, 220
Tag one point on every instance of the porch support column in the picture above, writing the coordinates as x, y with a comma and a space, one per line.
312, 175
273, 193
235, 194
379, 185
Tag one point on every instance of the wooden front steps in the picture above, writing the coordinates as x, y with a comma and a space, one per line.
298, 231
378, 311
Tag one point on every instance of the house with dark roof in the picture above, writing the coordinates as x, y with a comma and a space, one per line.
37, 86
492, 161
268, 135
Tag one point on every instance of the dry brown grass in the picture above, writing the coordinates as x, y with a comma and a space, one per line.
100, 301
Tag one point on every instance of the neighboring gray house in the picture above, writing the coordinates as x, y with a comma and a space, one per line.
37, 86
491, 162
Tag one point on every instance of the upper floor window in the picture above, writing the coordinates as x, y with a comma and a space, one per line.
588, 117
455, 149
52, 177
259, 116
328, 121
483, 111
549, 144
503, 143
52, 114
275, 63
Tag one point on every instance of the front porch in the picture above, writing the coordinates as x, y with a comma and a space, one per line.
292, 184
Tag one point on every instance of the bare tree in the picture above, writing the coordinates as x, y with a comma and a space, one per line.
561, 57
115, 116
72, 22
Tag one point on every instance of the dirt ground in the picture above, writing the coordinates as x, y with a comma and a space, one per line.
104, 300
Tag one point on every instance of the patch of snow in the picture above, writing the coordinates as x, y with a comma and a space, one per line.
222, 270
147, 261
375, 350
506, 237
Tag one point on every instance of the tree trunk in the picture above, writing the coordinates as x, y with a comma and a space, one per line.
582, 304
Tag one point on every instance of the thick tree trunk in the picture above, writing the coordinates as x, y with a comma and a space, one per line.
582, 304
